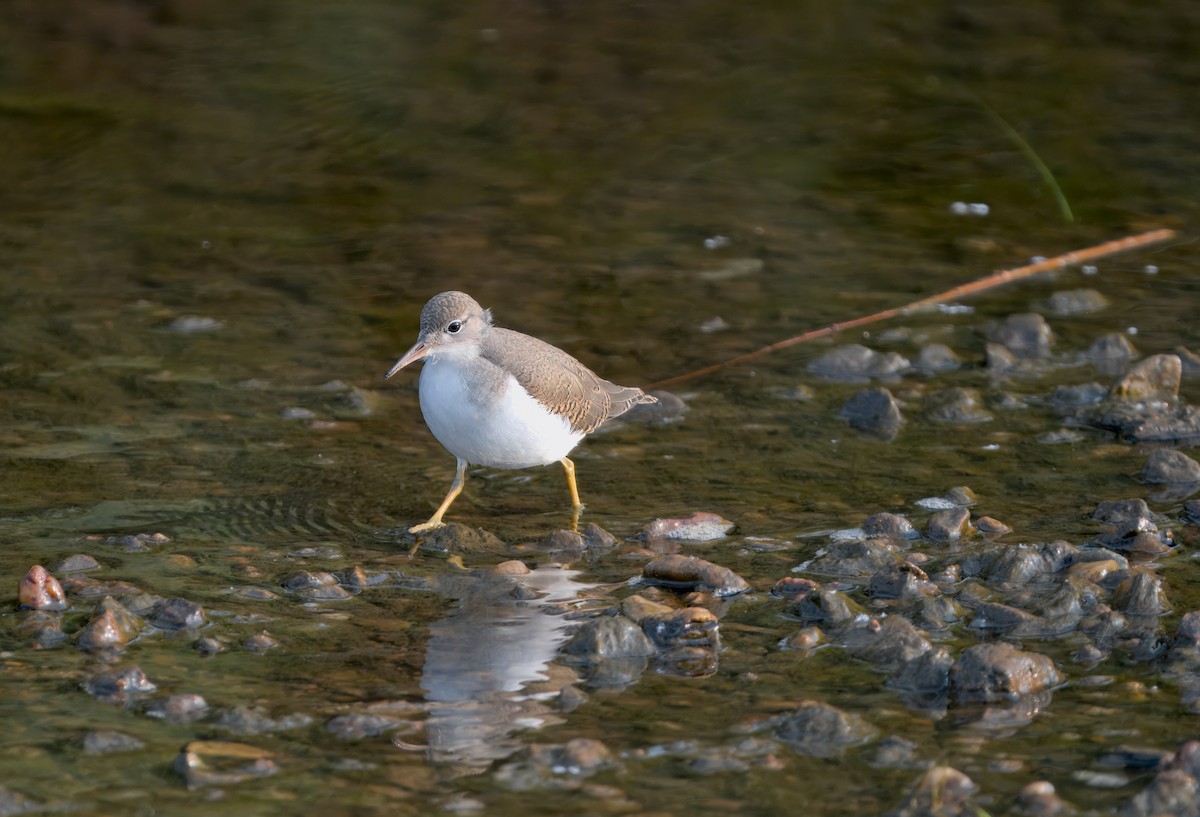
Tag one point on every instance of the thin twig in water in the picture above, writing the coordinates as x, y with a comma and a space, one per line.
973, 288
1030, 154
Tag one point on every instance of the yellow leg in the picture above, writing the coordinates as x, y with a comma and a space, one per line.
460, 477
576, 505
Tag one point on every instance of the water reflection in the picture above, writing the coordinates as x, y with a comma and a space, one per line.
481, 660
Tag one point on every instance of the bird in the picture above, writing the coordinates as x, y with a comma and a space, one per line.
502, 399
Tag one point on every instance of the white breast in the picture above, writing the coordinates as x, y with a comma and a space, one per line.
501, 430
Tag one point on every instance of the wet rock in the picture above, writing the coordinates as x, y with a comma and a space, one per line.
669, 409
209, 646
1027, 335
179, 614
608, 637
361, 725
194, 325
936, 613
259, 643
354, 402
1170, 794
999, 360
693, 573
949, 526
460, 538
902, 580
956, 405
852, 557
808, 638
138, 542
1165, 426
317, 585
831, 607
935, 358
991, 527
1141, 595
1126, 516
1076, 302
1144, 545
1186, 759
13, 802
38, 590
1154, 378
119, 686
1066, 398
84, 587
1189, 359
888, 643
112, 627
555, 765
1020, 564
78, 563
42, 629
793, 587
254, 594
960, 496
854, 363
142, 604
638, 607
562, 540
996, 617
699, 527
999, 672
691, 626
924, 679
220, 763
107, 742
941, 792
820, 730
1167, 466
1187, 633
179, 709
896, 752
595, 536
1111, 350
1094, 572
889, 526
254, 720
874, 412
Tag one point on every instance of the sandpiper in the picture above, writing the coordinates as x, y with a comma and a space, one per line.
502, 399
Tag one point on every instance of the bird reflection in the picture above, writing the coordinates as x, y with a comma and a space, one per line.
481, 659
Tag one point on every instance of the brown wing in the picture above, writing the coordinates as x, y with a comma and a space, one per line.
558, 381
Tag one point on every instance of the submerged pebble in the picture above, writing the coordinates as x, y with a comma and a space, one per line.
855, 363
701, 526
1025, 335
874, 412
220, 763
817, 729
693, 573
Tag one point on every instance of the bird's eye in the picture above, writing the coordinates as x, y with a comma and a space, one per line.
454, 327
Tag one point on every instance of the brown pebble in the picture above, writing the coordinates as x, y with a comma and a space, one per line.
512, 567
38, 590
699, 527
793, 587
806, 639
991, 527
260, 643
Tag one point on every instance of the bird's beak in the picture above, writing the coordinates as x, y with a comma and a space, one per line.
418, 351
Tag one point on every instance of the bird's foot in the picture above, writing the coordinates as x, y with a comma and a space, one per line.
434, 522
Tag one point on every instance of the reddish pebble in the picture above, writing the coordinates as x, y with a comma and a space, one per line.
38, 590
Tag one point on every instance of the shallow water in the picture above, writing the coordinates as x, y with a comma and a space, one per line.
304, 176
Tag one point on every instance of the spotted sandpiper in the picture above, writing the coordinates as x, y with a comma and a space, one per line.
502, 399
